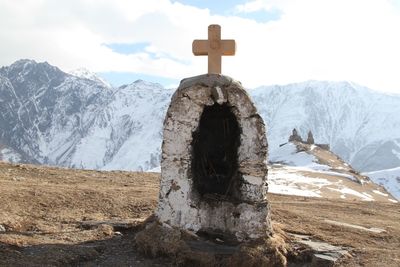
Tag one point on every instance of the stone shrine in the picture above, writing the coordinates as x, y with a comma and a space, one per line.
214, 153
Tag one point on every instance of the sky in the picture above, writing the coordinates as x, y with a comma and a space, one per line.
278, 41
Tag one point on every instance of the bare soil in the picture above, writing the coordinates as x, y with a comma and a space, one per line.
58, 217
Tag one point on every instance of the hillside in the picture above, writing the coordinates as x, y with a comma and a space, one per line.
308, 170
75, 217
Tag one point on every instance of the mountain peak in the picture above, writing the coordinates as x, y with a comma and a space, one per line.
146, 85
26, 66
24, 61
87, 74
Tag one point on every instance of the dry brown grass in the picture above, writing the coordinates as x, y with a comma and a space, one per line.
42, 209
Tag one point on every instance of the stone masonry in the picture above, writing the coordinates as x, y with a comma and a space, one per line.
202, 190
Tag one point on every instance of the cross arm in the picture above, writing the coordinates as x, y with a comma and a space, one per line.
200, 47
228, 47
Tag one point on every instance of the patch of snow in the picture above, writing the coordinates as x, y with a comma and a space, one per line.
322, 170
288, 155
284, 181
348, 191
156, 169
348, 176
287, 190
373, 229
380, 193
368, 195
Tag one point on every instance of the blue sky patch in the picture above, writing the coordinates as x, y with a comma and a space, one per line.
216, 7
227, 8
262, 16
127, 49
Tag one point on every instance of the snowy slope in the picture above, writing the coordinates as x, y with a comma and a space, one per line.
127, 134
309, 183
288, 155
308, 170
390, 179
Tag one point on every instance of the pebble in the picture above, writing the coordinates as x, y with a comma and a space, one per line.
2, 228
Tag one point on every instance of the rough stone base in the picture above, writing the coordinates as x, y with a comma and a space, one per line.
188, 249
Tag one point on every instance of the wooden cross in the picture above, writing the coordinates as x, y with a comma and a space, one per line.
214, 47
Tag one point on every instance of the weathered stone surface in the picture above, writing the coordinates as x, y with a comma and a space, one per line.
180, 204
323, 254
187, 249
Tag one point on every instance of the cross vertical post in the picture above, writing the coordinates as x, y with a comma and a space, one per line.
214, 48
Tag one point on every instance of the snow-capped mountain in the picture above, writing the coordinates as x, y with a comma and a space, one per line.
360, 125
126, 134
52, 117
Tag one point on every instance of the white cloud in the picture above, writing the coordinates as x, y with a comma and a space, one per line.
257, 5
354, 40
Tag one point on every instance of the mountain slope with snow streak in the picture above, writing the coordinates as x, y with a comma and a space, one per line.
360, 125
310, 171
390, 179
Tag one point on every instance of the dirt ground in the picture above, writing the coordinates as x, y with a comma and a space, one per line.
52, 216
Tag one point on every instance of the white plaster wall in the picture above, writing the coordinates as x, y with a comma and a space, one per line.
179, 204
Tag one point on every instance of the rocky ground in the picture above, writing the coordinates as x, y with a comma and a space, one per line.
53, 216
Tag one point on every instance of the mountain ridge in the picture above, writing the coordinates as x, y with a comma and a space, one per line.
52, 117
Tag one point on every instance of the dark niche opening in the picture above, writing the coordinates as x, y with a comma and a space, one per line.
215, 150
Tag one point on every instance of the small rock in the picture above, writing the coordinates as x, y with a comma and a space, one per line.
2, 228
106, 229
